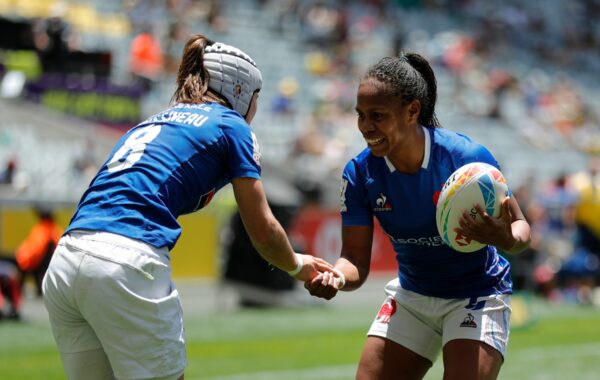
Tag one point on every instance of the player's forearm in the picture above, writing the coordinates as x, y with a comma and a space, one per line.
274, 246
354, 275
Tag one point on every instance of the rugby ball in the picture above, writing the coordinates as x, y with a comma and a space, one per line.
474, 183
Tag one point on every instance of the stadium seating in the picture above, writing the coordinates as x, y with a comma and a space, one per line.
279, 53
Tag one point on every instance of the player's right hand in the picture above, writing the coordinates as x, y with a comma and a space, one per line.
311, 268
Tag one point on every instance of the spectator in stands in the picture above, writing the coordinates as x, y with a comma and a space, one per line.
8, 174
176, 38
459, 305
284, 102
85, 161
124, 318
215, 18
146, 59
34, 253
52, 39
320, 23
557, 196
10, 290
587, 185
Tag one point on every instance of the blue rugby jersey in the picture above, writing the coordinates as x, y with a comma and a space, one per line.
170, 164
405, 205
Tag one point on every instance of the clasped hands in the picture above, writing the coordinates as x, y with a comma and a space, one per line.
320, 278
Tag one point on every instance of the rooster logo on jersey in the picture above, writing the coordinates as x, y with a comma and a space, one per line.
382, 203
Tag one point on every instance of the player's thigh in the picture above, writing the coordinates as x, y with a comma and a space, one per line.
134, 309
475, 337
404, 320
89, 365
402, 343
94, 365
383, 359
71, 331
485, 319
471, 359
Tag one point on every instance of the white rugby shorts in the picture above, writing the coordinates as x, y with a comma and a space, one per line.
109, 292
425, 324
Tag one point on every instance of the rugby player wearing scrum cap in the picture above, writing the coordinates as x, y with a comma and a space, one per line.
113, 307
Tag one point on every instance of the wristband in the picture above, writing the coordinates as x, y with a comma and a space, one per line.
299, 264
341, 281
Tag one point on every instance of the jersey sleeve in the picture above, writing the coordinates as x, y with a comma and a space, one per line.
355, 208
474, 152
479, 153
243, 153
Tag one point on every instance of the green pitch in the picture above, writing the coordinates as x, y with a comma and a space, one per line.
322, 343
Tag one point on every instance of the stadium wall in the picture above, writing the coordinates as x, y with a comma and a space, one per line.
194, 256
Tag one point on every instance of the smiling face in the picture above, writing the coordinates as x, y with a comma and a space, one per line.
386, 124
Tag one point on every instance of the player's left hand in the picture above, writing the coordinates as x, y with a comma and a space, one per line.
326, 284
487, 229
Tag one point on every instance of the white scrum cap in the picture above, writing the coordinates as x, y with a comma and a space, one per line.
233, 74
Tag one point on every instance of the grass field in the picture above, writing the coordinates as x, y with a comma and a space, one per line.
321, 343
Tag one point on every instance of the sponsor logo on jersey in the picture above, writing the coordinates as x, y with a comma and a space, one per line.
432, 241
469, 321
382, 203
387, 310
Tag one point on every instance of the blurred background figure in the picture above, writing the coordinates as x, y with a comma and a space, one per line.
587, 213
34, 253
587, 185
284, 102
52, 38
146, 59
7, 175
10, 291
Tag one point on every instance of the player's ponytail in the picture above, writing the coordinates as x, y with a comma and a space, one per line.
427, 116
193, 77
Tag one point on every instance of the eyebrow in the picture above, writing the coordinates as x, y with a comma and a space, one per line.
376, 108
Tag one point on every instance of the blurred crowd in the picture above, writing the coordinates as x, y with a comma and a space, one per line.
563, 261
530, 65
548, 107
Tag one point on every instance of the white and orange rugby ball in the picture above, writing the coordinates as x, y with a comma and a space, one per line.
474, 183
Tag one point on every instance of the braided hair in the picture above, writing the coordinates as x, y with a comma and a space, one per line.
409, 77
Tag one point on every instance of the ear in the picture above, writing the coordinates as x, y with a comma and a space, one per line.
414, 110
